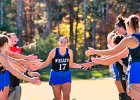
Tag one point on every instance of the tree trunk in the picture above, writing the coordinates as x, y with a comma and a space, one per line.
93, 27
19, 26
28, 19
76, 30
71, 25
107, 11
49, 14
1, 12
85, 18
93, 33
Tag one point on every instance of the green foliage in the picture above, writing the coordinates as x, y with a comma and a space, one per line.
9, 15
43, 46
4, 27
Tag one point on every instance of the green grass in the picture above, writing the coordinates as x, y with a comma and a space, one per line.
97, 72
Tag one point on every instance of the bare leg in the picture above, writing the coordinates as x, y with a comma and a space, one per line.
57, 92
1, 94
127, 90
5, 93
119, 87
135, 88
66, 89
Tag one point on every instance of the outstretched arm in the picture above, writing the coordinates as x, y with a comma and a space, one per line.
120, 47
72, 64
16, 72
19, 67
29, 64
19, 56
48, 61
111, 59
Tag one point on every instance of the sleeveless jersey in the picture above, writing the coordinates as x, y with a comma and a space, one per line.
135, 52
61, 62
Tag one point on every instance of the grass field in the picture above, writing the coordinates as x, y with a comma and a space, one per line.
97, 72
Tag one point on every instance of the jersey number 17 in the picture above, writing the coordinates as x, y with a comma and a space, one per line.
62, 66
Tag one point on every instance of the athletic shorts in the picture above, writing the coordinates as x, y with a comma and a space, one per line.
134, 73
2, 81
60, 77
6, 78
116, 73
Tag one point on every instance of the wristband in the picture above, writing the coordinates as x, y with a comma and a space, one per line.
26, 72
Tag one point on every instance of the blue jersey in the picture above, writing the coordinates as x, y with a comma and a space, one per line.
60, 73
61, 62
135, 53
134, 67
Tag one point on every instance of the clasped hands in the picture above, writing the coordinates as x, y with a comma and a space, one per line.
94, 60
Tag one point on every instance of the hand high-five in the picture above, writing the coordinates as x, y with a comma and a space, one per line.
35, 80
90, 51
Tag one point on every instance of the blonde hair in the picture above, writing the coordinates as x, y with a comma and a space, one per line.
63, 37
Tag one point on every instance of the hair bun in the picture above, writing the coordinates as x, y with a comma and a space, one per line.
120, 18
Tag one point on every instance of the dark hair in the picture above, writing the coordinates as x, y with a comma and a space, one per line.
117, 39
3, 39
120, 22
134, 22
111, 35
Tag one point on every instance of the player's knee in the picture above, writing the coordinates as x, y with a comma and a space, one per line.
66, 96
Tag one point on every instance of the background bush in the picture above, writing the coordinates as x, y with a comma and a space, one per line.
42, 46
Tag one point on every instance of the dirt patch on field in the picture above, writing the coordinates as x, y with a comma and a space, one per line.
81, 90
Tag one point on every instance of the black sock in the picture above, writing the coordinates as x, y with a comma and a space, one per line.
122, 96
124, 84
128, 98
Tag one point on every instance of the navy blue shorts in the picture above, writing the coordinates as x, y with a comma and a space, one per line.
134, 73
60, 77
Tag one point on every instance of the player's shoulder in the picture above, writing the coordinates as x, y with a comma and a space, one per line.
53, 51
70, 51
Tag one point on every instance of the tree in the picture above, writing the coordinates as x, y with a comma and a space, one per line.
1, 12
71, 24
19, 23
85, 26
76, 28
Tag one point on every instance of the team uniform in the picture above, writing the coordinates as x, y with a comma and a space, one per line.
120, 72
116, 73
14, 81
60, 73
4, 78
134, 67
119, 69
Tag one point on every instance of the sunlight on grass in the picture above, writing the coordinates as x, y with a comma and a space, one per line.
78, 73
